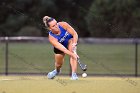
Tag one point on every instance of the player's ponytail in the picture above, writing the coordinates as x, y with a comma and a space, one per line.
46, 20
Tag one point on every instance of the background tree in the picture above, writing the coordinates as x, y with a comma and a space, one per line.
90, 18
107, 18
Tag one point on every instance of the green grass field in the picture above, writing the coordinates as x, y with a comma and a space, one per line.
101, 59
110, 59
40, 84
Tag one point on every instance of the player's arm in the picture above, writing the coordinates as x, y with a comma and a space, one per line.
71, 31
59, 46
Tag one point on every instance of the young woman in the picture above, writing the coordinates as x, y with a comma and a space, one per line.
64, 39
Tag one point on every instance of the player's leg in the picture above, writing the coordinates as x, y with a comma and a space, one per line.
73, 62
59, 59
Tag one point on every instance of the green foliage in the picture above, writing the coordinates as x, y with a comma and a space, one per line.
29, 31
95, 18
107, 18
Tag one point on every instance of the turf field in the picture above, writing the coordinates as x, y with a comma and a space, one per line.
40, 84
103, 59
112, 59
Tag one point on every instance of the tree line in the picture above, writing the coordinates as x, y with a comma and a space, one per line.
90, 18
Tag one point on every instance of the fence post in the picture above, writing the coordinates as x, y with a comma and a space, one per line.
136, 59
6, 54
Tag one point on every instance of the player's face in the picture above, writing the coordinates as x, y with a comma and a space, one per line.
54, 26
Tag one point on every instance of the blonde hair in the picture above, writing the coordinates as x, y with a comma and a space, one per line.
46, 20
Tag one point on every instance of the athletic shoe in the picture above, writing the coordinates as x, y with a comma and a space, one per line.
52, 74
74, 76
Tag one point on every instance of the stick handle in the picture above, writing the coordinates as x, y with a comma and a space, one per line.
74, 50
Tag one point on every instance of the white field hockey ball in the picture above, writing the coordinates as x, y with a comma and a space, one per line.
84, 75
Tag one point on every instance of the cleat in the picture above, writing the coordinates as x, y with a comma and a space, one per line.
51, 75
74, 76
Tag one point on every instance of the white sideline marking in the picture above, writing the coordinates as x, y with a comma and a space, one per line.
6, 79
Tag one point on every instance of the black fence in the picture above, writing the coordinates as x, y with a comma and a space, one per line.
34, 55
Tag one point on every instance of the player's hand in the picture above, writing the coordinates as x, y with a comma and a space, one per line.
75, 56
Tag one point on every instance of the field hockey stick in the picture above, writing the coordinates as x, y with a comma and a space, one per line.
82, 66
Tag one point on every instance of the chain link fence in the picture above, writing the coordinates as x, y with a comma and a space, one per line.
34, 55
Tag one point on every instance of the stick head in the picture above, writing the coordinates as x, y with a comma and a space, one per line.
84, 67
